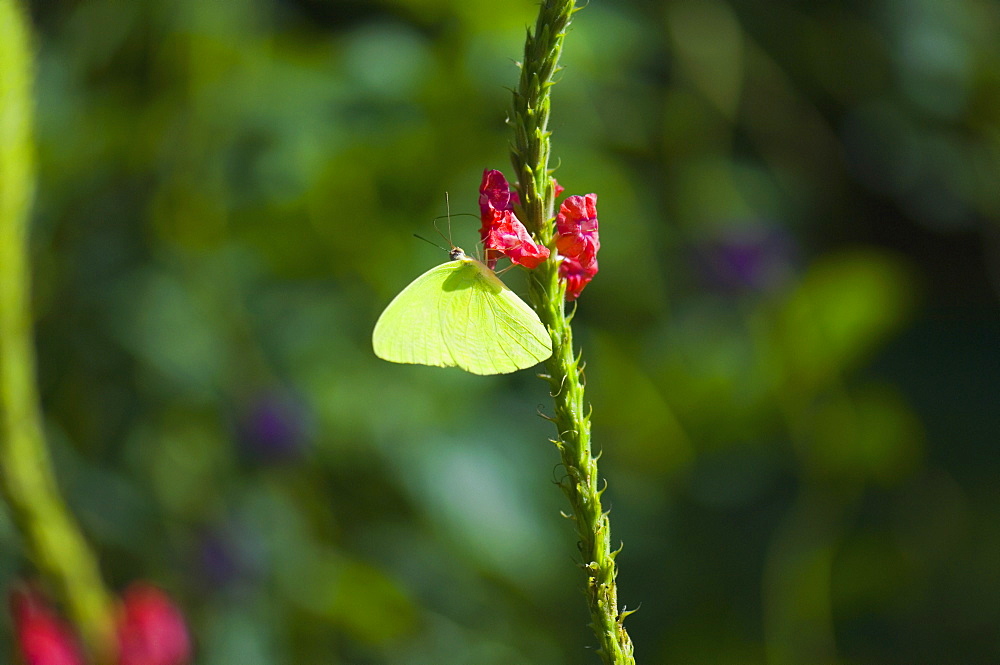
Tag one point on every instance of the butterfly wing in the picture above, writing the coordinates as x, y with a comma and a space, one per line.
460, 314
408, 331
488, 328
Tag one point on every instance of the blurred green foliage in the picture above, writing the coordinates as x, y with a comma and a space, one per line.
792, 344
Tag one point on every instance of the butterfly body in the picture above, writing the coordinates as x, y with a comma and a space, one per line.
459, 314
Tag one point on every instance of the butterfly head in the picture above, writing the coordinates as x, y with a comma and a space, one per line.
458, 254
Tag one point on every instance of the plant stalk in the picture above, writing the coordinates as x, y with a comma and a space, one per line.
530, 157
26, 477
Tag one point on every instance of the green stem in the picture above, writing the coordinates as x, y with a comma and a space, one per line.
530, 157
26, 476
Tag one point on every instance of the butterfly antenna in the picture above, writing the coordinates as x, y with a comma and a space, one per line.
447, 207
446, 238
430, 242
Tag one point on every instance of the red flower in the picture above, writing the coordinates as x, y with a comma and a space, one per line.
577, 241
495, 192
576, 276
151, 629
576, 232
508, 236
44, 638
501, 231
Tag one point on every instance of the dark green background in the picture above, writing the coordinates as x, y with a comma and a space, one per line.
792, 345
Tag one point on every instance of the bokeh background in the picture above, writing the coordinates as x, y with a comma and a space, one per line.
792, 346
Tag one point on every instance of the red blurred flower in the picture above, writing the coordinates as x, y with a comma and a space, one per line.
577, 241
151, 629
44, 638
501, 231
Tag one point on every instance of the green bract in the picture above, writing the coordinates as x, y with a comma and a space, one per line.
459, 314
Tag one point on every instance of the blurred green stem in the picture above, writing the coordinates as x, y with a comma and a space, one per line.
530, 156
28, 482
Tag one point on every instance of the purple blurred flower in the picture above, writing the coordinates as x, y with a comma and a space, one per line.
274, 427
218, 559
748, 259
226, 556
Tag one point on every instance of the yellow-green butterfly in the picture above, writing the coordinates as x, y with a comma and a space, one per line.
459, 314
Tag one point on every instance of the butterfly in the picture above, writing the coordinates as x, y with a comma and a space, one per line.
459, 314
